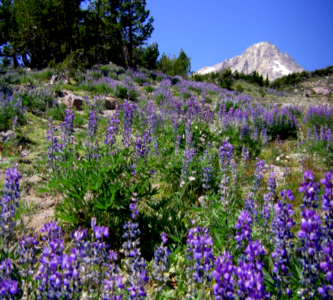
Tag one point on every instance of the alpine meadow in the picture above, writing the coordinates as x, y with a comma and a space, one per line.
126, 175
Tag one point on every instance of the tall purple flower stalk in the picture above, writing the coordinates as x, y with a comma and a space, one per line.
309, 236
327, 207
129, 109
161, 263
260, 165
282, 230
134, 263
189, 154
68, 128
27, 261
8, 287
225, 153
251, 206
55, 147
250, 280
199, 251
310, 189
224, 287
326, 265
9, 204
243, 226
111, 132
207, 170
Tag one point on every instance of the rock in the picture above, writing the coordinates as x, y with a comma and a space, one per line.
324, 99
2, 175
322, 90
73, 100
53, 79
287, 105
110, 103
277, 104
309, 92
7, 135
34, 179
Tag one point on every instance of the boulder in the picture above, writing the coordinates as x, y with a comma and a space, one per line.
322, 90
110, 103
74, 101
7, 135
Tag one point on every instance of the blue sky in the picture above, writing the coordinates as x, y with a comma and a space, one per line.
211, 31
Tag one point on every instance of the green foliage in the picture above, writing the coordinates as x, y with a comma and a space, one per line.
147, 57
180, 65
148, 89
285, 130
7, 115
100, 188
239, 88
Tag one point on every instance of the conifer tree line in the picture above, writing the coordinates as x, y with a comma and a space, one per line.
41, 33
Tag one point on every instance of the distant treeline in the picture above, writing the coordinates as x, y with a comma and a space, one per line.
226, 78
295, 78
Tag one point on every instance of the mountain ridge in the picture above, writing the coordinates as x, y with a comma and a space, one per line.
264, 58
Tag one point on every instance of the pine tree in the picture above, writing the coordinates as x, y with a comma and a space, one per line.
136, 29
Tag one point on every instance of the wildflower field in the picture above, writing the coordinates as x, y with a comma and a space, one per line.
183, 190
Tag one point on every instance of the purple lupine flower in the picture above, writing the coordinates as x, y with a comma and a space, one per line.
243, 226
327, 206
225, 153
224, 286
200, 254
27, 260
9, 204
92, 125
253, 252
207, 170
188, 158
264, 135
251, 206
224, 189
309, 235
161, 263
14, 123
50, 273
129, 109
326, 265
310, 189
308, 135
55, 146
135, 264
112, 131
234, 175
282, 230
315, 134
250, 282
68, 127
322, 134
260, 165
8, 287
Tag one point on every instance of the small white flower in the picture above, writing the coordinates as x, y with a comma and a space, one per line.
191, 178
